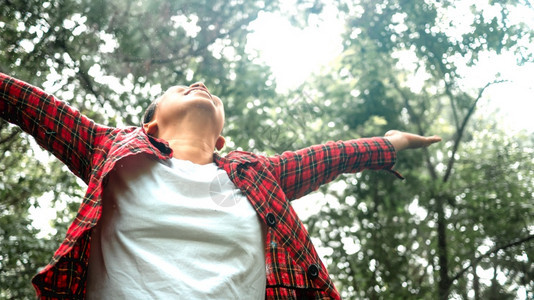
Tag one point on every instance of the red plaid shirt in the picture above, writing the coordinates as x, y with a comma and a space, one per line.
90, 150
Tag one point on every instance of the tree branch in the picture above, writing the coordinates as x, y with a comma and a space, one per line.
453, 105
420, 131
196, 51
82, 74
9, 140
494, 250
461, 130
11, 136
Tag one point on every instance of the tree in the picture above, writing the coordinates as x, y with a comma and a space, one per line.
109, 59
460, 209
384, 239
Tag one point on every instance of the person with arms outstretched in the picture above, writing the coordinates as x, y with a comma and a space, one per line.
166, 216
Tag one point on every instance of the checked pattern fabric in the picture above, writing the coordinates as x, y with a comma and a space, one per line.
90, 150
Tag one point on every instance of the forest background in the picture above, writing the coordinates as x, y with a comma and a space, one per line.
459, 227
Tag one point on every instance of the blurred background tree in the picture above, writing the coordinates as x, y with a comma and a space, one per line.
109, 59
466, 207
464, 211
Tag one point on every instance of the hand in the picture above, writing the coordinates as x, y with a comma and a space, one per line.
404, 140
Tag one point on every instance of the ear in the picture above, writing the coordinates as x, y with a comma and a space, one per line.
219, 144
151, 128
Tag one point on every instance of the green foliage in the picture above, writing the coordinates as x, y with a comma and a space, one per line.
109, 59
462, 206
466, 204
23, 179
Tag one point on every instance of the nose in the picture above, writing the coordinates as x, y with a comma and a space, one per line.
198, 84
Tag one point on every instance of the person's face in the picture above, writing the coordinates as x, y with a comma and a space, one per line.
179, 101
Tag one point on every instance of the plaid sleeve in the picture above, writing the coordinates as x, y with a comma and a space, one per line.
304, 171
57, 127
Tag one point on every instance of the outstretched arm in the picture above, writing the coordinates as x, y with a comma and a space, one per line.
57, 127
305, 170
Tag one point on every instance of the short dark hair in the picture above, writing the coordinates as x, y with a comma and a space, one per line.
150, 112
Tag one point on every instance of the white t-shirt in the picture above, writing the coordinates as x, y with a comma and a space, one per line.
175, 230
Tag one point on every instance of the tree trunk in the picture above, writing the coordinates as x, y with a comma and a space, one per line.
443, 261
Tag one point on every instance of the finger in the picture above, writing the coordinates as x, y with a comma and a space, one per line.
435, 139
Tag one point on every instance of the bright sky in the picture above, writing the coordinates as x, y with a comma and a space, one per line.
293, 53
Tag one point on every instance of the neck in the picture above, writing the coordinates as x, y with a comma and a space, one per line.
193, 144
189, 139
197, 151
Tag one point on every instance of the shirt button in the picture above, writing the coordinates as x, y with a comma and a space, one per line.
313, 271
271, 220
